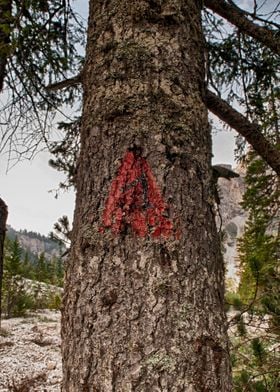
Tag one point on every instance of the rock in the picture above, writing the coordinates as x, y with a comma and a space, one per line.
23, 361
233, 221
51, 365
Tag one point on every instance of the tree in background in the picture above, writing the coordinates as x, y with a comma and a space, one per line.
241, 58
27, 267
26, 282
257, 353
13, 258
3, 219
59, 272
41, 268
15, 299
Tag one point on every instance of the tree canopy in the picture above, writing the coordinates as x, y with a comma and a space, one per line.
39, 43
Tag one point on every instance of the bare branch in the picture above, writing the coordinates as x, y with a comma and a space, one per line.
76, 80
251, 132
237, 17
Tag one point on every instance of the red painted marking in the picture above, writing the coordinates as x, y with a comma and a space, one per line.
135, 200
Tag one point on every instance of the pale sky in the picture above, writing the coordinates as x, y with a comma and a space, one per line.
26, 187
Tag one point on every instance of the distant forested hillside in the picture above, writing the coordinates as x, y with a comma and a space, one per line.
33, 273
35, 243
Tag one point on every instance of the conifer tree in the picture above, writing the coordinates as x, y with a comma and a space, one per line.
15, 300
259, 286
3, 219
27, 267
145, 312
13, 258
41, 268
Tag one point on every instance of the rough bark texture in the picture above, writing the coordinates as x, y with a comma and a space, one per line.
142, 314
5, 20
251, 132
238, 18
3, 220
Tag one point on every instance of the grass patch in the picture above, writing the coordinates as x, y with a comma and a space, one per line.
45, 319
4, 333
42, 342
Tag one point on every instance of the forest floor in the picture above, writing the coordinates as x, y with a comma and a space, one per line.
30, 357
30, 351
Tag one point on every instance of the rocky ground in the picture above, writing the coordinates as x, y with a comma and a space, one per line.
30, 358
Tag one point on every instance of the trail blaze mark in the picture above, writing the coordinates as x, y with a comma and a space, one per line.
135, 200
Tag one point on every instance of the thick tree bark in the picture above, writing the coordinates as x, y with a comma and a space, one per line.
144, 314
251, 132
238, 18
3, 220
5, 21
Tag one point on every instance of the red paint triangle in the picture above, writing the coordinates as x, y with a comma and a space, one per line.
135, 200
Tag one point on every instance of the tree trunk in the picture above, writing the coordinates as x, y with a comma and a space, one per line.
3, 220
143, 313
5, 23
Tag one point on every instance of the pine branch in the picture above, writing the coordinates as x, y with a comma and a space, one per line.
237, 17
76, 80
250, 131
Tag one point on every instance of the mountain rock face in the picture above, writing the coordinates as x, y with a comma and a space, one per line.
35, 244
232, 219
